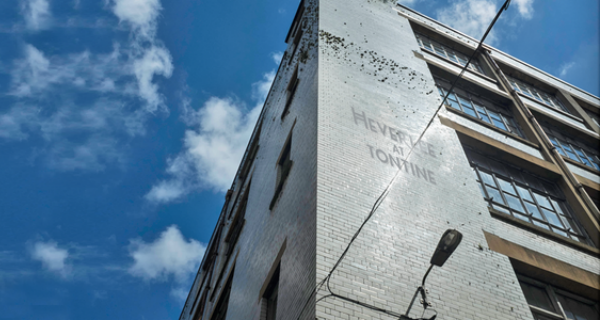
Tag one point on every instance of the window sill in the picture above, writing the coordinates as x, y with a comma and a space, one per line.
460, 66
580, 165
561, 112
487, 125
545, 233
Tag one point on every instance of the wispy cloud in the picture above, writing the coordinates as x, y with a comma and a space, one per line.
474, 16
214, 148
85, 105
525, 8
469, 16
36, 13
564, 69
170, 256
52, 257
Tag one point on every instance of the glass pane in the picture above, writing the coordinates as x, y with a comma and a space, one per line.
453, 104
506, 186
514, 203
543, 225
427, 44
542, 200
462, 58
536, 296
494, 195
552, 218
558, 147
583, 157
500, 124
520, 216
452, 56
577, 310
514, 85
524, 193
501, 209
481, 189
487, 178
526, 92
533, 209
482, 114
559, 231
439, 50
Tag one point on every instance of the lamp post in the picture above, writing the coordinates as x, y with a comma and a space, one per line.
448, 243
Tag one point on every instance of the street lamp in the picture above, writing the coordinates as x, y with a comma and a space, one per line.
448, 243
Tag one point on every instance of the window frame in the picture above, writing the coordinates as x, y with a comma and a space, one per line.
522, 198
284, 167
448, 53
581, 153
537, 94
479, 108
290, 92
552, 293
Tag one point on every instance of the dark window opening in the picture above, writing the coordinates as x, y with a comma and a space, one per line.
283, 170
548, 302
200, 310
291, 91
270, 297
238, 222
252, 151
296, 44
220, 312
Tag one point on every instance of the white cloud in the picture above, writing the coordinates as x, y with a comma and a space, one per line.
52, 257
277, 56
170, 255
213, 150
564, 69
155, 61
119, 89
473, 17
140, 14
470, 16
36, 13
525, 8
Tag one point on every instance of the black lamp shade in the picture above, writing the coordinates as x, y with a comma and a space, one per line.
448, 243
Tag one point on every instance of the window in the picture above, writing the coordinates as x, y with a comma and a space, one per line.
447, 53
544, 300
525, 196
252, 151
270, 297
220, 312
284, 165
291, 91
200, 310
237, 223
476, 107
296, 44
594, 116
537, 94
572, 149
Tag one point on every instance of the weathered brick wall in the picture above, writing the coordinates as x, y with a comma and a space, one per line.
369, 82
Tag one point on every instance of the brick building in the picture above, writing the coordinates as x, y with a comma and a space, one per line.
510, 160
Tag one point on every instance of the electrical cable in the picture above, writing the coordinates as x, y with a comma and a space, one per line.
387, 189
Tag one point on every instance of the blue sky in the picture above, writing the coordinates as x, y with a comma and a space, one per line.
122, 123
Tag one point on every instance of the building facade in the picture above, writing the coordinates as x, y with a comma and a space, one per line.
510, 160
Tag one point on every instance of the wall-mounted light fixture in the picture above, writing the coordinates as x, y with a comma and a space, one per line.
448, 243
